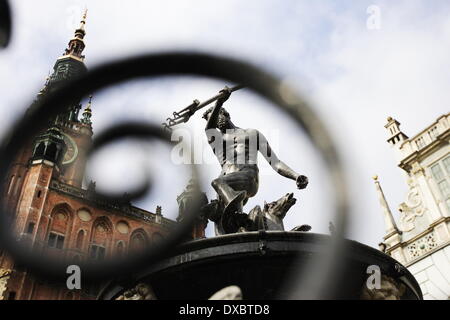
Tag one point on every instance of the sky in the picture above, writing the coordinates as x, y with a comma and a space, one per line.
357, 62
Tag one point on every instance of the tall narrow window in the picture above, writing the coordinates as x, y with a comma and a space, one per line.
446, 163
60, 242
445, 188
17, 185
11, 184
441, 174
39, 151
30, 228
437, 172
80, 238
120, 249
52, 152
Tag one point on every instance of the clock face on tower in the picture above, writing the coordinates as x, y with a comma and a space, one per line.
72, 150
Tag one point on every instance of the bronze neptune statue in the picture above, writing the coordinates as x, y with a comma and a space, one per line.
237, 150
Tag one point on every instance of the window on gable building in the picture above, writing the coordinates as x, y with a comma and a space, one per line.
441, 175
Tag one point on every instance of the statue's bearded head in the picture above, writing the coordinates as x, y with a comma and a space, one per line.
223, 121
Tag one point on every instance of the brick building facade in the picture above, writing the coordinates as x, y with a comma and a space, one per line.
54, 213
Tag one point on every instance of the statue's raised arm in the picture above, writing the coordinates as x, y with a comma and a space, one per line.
212, 115
279, 166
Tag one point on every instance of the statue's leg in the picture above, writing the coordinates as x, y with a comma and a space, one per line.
228, 195
232, 189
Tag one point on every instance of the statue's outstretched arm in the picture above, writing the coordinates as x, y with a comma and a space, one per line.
212, 121
279, 166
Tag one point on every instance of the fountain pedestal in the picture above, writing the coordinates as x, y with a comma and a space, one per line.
260, 263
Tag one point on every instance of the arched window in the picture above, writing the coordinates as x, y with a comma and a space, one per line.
52, 151
138, 241
39, 151
59, 226
101, 235
120, 249
80, 239
101, 231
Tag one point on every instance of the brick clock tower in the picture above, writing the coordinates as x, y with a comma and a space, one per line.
53, 210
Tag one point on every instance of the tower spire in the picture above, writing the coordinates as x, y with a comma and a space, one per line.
76, 44
389, 221
70, 66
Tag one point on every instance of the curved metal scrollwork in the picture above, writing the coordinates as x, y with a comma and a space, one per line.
162, 64
5, 23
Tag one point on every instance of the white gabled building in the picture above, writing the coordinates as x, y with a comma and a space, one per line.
421, 238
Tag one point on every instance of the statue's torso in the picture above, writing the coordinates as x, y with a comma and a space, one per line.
238, 149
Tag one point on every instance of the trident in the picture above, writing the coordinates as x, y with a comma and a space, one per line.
185, 114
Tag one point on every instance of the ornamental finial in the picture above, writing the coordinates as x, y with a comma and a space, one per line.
87, 113
83, 19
